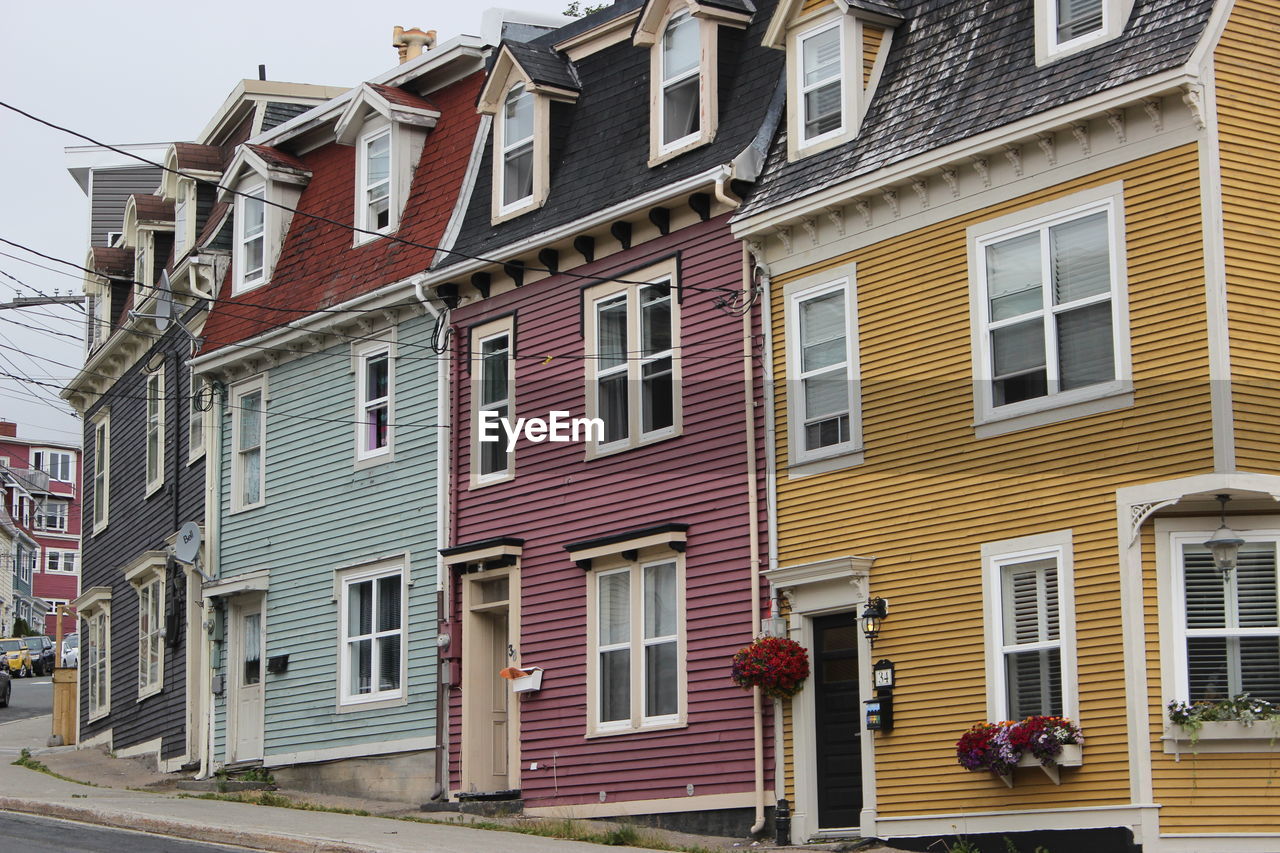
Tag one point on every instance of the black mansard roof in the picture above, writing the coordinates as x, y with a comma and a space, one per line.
958, 68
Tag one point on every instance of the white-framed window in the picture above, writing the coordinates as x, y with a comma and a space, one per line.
375, 207
493, 375
1226, 628
53, 515
60, 561
96, 659
1064, 27
150, 635
142, 269
25, 503
155, 430
251, 238
680, 82
23, 566
1030, 627
101, 469
1050, 311
181, 213
375, 394
823, 401
516, 131
633, 366
821, 82
372, 634
249, 444
195, 416
636, 673
58, 464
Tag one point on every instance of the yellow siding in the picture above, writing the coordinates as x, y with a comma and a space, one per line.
1216, 792
871, 39
929, 493
1248, 94
812, 5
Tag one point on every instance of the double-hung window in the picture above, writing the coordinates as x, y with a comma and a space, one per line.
97, 660
634, 370
60, 561
53, 515
493, 392
195, 416
101, 469
681, 67
517, 119
374, 394
821, 82
180, 221
151, 635
375, 171
1230, 622
823, 365
155, 429
372, 635
1031, 661
637, 649
1064, 27
251, 238
54, 463
1075, 19
248, 441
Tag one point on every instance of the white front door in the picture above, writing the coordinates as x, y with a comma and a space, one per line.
246, 676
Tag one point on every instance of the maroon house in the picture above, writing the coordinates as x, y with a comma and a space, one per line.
599, 585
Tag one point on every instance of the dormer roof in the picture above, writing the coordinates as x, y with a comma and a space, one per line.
653, 12
192, 157
270, 163
391, 103
110, 263
542, 69
885, 12
149, 209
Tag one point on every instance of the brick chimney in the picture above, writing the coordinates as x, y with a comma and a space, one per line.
411, 43
8, 428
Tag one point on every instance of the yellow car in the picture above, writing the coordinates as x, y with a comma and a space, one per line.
17, 656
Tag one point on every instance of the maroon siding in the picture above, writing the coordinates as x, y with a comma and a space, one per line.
698, 478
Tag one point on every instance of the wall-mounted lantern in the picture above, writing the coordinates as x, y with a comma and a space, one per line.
1225, 542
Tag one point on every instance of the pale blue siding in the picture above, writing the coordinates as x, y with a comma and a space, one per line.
323, 513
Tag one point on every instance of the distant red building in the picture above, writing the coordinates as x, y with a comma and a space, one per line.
42, 493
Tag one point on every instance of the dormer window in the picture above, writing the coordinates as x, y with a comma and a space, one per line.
1064, 27
516, 133
375, 162
822, 83
180, 220
681, 73
251, 238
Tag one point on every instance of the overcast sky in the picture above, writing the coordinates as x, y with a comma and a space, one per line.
132, 71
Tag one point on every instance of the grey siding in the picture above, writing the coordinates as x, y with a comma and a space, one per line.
138, 523
111, 189
323, 513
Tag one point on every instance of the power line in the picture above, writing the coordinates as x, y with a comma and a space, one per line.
334, 222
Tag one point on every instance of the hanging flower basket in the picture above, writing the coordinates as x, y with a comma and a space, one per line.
1048, 742
776, 665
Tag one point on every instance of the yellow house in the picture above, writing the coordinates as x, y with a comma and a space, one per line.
1021, 263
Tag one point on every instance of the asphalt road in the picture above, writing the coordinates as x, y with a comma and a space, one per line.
29, 834
31, 697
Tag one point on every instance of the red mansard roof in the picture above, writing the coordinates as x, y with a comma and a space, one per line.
152, 208
112, 262
276, 157
200, 158
402, 98
318, 266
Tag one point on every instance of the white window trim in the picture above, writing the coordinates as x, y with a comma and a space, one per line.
143, 268
151, 577
62, 554
238, 392
51, 451
158, 378
101, 496
197, 419
666, 271
990, 420
65, 515
804, 462
1115, 13
361, 353
501, 212
635, 567
374, 130
239, 283
184, 226
344, 578
996, 555
99, 610
845, 43
708, 89
479, 335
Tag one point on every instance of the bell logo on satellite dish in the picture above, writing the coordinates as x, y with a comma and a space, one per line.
188, 544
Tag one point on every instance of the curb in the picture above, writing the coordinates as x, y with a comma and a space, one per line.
180, 829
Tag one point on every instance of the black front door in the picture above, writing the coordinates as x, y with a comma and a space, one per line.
838, 721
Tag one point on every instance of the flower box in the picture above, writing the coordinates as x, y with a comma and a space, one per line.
1072, 756
1223, 736
1044, 741
530, 682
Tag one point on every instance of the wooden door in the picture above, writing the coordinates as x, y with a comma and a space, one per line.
246, 675
838, 723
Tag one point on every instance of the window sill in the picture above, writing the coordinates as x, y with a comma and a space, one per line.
662, 156
1107, 397
502, 215
594, 451
236, 510
98, 528
664, 727
490, 480
1224, 737
152, 488
373, 460
352, 706
365, 239
195, 457
825, 464
101, 714
149, 692
241, 289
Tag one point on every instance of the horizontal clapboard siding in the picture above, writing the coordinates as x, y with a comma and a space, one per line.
111, 189
929, 493
323, 514
699, 478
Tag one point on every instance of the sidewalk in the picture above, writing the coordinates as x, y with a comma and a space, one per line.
159, 809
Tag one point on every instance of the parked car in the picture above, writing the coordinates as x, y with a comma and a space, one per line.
6, 686
44, 656
16, 655
71, 650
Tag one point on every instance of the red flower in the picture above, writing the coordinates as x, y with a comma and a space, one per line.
777, 665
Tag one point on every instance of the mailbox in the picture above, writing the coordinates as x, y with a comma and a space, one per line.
880, 714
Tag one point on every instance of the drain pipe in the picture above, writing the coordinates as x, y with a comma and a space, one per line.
753, 513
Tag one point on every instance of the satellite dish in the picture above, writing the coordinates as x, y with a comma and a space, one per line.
188, 544
164, 302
